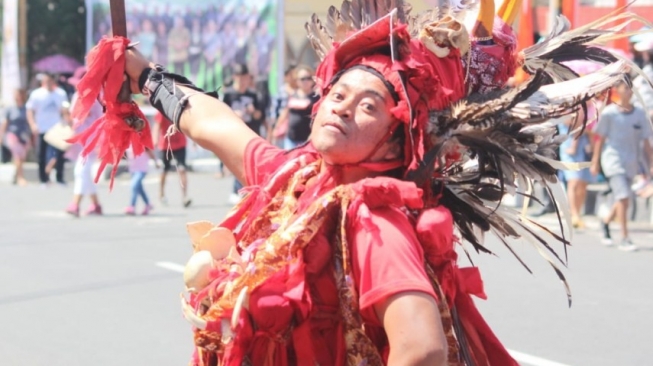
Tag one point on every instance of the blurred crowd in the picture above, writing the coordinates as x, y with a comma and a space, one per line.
615, 147
40, 121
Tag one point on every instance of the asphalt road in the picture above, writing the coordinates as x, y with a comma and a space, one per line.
105, 291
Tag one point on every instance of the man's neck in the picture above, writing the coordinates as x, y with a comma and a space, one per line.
625, 106
349, 174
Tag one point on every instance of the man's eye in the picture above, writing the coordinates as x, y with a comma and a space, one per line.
337, 96
369, 107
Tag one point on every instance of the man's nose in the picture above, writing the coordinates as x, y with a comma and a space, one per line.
343, 109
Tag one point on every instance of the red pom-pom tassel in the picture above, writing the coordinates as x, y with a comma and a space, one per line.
110, 134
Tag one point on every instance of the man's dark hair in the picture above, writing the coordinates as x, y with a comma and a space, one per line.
239, 69
290, 69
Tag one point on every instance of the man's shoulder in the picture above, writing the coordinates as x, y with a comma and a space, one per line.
60, 92
610, 109
38, 93
639, 111
229, 91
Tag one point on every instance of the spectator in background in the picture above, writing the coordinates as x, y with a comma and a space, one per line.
138, 167
18, 134
147, 39
244, 102
178, 45
172, 146
212, 51
84, 184
280, 127
264, 45
195, 48
161, 44
65, 86
640, 84
229, 44
300, 108
576, 149
634, 40
623, 129
43, 112
243, 42
264, 100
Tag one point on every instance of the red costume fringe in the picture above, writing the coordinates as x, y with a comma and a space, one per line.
110, 134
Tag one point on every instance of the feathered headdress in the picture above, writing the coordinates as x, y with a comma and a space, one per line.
470, 138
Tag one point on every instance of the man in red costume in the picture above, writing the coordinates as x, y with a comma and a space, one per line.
342, 252
361, 130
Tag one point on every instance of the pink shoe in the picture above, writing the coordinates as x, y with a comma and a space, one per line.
147, 210
73, 209
130, 210
94, 210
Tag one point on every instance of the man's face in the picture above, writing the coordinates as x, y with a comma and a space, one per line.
624, 92
48, 82
242, 81
352, 119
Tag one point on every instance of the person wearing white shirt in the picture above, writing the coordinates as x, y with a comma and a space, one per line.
43, 112
83, 184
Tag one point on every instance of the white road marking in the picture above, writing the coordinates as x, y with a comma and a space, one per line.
153, 220
52, 214
519, 356
533, 360
171, 266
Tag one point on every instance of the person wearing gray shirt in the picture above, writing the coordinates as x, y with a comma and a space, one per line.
622, 130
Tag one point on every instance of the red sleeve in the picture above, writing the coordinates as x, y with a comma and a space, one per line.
386, 262
261, 160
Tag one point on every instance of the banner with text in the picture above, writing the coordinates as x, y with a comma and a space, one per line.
202, 38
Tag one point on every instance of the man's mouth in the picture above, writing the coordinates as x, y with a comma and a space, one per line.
334, 126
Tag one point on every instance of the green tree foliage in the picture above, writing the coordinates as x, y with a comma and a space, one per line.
56, 26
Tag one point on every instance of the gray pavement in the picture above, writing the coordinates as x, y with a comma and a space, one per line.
88, 291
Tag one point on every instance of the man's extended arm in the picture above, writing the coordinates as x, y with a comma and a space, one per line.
206, 120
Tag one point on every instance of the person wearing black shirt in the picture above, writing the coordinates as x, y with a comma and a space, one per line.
300, 108
242, 99
244, 102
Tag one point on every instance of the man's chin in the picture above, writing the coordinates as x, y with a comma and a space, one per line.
323, 144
